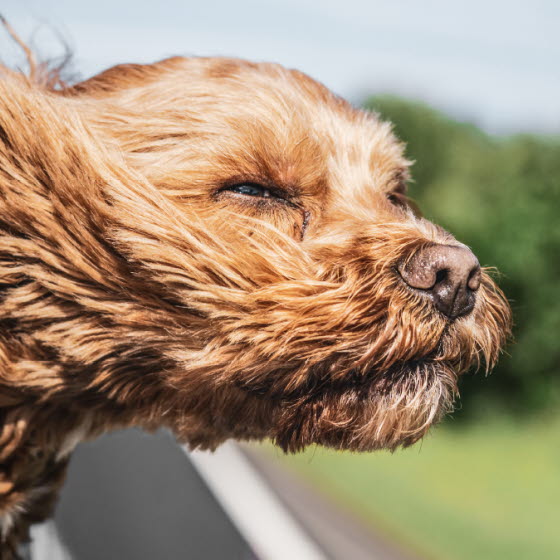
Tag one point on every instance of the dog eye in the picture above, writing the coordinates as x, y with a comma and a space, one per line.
251, 189
402, 201
397, 199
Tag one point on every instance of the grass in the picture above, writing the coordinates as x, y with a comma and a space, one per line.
489, 491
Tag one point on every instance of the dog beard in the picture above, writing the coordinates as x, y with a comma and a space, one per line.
384, 410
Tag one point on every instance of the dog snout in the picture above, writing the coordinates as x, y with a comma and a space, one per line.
449, 274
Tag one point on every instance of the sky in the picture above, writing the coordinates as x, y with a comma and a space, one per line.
491, 62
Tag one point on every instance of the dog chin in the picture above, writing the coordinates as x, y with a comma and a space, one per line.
383, 410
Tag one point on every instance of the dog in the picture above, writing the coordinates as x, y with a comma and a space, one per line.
226, 249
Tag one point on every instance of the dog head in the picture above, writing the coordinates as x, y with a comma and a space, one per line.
276, 267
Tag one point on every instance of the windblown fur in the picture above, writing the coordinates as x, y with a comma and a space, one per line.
137, 288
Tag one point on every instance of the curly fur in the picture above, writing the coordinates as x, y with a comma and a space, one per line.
137, 289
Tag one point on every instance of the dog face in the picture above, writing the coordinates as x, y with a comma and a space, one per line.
300, 296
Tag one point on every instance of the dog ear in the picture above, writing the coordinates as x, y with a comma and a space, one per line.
52, 230
45, 152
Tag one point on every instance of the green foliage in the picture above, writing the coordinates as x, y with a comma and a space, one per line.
486, 491
501, 196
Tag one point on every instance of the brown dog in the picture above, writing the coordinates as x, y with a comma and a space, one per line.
224, 248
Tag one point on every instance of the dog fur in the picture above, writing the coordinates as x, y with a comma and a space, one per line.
138, 288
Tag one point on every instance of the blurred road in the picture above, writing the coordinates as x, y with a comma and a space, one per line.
134, 496
341, 534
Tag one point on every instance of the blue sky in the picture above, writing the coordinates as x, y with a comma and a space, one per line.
493, 62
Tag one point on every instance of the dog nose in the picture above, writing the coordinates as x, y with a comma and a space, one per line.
451, 275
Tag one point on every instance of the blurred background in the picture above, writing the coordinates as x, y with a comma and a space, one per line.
474, 90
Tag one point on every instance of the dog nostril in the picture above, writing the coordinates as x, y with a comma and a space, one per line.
441, 275
450, 274
473, 282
